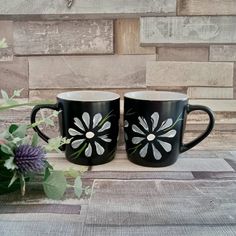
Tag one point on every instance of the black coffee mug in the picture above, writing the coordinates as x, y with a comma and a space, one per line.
154, 124
91, 120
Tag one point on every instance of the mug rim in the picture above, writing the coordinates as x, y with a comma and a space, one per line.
88, 96
151, 95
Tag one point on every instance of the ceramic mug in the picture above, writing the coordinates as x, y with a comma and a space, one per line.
154, 124
91, 120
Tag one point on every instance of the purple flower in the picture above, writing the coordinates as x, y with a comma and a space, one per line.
29, 158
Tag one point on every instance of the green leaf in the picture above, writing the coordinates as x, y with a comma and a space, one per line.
6, 149
88, 190
35, 140
13, 128
49, 121
72, 173
46, 173
78, 187
20, 131
55, 185
9, 164
13, 179
4, 95
22, 184
3, 43
17, 93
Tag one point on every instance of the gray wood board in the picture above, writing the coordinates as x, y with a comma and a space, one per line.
162, 203
63, 37
57, 9
191, 30
88, 71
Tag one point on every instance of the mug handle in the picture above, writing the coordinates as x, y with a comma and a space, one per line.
33, 118
190, 108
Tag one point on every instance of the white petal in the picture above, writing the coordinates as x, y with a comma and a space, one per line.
106, 125
166, 124
86, 119
88, 151
136, 129
157, 155
126, 123
76, 143
74, 132
143, 122
126, 136
143, 151
136, 140
165, 145
78, 123
155, 119
169, 134
100, 150
105, 138
96, 119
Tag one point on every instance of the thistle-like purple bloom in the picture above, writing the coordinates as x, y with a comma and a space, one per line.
29, 158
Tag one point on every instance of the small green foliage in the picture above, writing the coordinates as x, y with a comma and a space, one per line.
78, 187
3, 43
35, 140
55, 143
55, 185
9, 164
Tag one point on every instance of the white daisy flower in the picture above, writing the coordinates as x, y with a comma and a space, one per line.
153, 136
92, 132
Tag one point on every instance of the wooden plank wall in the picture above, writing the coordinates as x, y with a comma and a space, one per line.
178, 45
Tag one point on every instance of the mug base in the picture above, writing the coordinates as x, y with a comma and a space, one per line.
151, 164
85, 161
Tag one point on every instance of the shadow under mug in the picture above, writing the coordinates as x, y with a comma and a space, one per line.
154, 125
91, 120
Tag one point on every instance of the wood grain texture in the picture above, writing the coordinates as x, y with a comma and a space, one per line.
6, 31
88, 72
192, 30
217, 105
213, 74
222, 53
57, 9
14, 75
63, 37
183, 203
127, 38
206, 7
182, 53
39, 94
208, 92
184, 164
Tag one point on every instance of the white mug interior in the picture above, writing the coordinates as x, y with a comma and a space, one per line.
156, 96
88, 96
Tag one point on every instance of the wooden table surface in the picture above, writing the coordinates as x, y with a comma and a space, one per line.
195, 196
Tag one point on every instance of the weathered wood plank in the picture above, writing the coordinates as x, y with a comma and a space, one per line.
222, 53
208, 92
217, 105
6, 31
183, 164
127, 38
88, 72
206, 7
57, 9
14, 75
161, 73
63, 37
191, 30
182, 54
52, 93
192, 203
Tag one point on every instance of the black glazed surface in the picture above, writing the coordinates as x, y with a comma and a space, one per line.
92, 126
154, 130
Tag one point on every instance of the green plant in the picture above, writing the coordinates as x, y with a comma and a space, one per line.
23, 160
